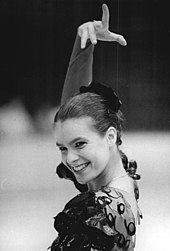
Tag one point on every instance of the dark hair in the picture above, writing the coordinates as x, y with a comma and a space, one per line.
92, 105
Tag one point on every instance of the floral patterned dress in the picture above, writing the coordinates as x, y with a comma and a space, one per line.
101, 221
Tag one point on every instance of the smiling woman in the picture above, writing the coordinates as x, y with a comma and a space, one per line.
86, 153
88, 133
89, 138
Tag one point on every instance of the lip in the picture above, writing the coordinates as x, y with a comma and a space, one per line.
79, 168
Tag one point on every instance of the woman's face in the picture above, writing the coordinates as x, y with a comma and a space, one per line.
83, 150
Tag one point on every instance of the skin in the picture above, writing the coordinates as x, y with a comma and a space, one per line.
80, 143
99, 30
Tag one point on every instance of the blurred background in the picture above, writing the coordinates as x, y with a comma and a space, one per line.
37, 37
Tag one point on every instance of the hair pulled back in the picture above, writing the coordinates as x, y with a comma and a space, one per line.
92, 105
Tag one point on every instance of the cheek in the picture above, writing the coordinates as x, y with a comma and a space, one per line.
63, 158
101, 155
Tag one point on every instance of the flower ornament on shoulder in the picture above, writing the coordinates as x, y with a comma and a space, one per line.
110, 98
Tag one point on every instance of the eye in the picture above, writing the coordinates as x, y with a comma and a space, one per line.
62, 148
80, 144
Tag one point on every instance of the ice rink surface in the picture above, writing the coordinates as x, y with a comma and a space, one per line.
31, 194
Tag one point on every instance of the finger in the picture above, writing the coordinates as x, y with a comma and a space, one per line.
105, 16
92, 33
97, 24
84, 38
79, 30
118, 38
121, 40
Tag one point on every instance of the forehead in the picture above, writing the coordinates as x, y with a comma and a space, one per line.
73, 128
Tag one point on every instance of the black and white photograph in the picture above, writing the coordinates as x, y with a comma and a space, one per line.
84, 125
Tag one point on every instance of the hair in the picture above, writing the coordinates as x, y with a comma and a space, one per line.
91, 105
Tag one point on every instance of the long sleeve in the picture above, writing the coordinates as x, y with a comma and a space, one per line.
79, 70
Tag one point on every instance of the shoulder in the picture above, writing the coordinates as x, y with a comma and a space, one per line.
118, 207
126, 187
104, 219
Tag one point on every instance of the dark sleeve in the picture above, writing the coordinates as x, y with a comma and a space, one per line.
79, 70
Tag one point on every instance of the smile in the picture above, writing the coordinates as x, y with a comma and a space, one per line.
80, 167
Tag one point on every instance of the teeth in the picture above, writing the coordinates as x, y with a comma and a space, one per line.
80, 167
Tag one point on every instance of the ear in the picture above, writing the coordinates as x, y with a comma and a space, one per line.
111, 136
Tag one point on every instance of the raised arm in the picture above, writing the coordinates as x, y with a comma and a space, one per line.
80, 66
79, 69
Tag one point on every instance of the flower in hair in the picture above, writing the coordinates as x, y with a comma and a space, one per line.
111, 100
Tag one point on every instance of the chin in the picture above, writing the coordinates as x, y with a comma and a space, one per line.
82, 182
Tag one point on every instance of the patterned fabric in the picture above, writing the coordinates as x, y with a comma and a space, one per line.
101, 221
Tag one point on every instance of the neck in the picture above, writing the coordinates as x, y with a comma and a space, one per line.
113, 170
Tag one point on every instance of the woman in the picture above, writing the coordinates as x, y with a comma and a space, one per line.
88, 133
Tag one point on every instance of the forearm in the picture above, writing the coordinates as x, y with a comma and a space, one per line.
79, 70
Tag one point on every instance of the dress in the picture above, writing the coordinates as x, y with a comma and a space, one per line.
96, 221
103, 220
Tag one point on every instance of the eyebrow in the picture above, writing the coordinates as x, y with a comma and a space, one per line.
58, 144
72, 141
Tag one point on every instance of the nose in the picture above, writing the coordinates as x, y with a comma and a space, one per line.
71, 157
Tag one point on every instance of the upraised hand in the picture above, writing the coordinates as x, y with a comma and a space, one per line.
99, 30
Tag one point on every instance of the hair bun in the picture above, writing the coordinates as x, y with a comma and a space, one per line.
132, 168
111, 100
